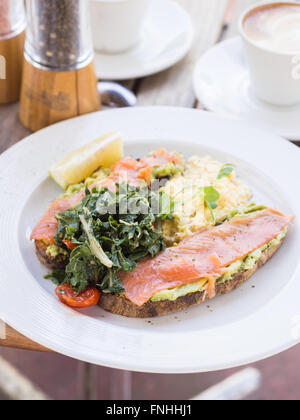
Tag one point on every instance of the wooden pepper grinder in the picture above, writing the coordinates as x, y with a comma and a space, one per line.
12, 36
59, 80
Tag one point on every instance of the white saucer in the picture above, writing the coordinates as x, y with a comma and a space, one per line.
167, 37
222, 85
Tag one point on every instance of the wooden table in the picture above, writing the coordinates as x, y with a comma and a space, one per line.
215, 20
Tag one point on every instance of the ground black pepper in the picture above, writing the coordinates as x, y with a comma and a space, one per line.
58, 32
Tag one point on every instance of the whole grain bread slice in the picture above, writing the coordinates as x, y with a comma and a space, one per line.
54, 263
120, 305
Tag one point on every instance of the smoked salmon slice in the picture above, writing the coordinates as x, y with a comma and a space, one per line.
127, 170
206, 254
160, 158
47, 226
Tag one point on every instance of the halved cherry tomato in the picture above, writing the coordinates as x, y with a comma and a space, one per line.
89, 297
70, 245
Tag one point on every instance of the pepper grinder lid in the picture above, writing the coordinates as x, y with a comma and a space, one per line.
12, 18
59, 34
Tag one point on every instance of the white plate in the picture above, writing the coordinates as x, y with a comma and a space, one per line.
222, 84
245, 325
166, 38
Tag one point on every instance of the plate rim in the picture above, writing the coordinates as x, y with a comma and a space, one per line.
141, 366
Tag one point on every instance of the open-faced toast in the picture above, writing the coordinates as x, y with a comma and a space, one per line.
121, 306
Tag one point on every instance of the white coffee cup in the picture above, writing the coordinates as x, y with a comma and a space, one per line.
116, 24
275, 76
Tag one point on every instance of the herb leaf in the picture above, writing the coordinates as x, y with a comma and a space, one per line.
226, 170
211, 196
166, 206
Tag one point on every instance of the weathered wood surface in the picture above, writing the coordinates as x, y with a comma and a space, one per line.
11, 338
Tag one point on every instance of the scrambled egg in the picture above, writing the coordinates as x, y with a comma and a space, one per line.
191, 213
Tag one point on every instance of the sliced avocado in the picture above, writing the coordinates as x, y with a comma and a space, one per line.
232, 270
72, 189
54, 251
174, 294
252, 208
168, 170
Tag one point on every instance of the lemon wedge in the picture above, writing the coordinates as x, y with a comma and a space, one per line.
79, 165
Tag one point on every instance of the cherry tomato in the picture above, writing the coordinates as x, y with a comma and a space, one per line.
89, 297
70, 245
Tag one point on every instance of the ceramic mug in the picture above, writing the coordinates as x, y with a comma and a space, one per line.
275, 75
116, 24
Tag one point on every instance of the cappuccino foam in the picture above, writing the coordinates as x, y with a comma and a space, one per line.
276, 28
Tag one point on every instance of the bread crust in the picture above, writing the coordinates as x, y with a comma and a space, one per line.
54, 263
122, 306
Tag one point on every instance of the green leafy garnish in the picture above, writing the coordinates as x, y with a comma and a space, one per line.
57, 276
226, 170
112, 232
166, 206
211, 196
